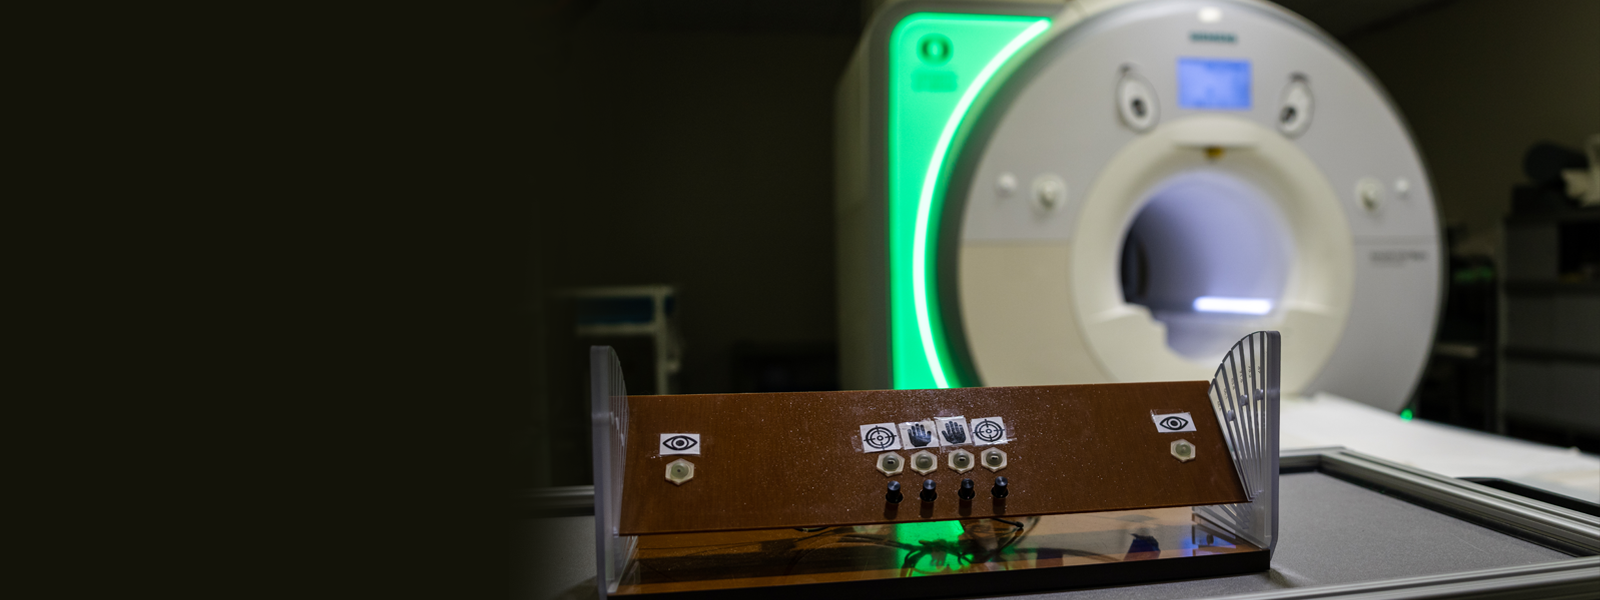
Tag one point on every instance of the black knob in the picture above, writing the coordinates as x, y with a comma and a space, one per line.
1000, 490
894, 496
927, 491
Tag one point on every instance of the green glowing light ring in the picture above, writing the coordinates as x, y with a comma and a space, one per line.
919, 243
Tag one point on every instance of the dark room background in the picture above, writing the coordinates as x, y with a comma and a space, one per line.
692, 146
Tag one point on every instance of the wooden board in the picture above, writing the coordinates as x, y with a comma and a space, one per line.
795, 459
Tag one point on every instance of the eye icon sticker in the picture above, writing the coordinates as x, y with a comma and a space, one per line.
879, 437
1173, 422
680, 443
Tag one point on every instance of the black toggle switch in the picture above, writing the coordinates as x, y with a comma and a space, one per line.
927, 491
966, 492
894, 496
1000, 490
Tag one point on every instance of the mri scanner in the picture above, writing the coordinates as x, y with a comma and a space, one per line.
1117, 191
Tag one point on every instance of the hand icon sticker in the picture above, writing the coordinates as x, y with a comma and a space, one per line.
954, 432
919, 435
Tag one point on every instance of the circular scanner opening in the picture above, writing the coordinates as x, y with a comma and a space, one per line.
1208, 253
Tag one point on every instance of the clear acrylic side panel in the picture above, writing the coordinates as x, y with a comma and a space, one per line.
608, 395
1244, 394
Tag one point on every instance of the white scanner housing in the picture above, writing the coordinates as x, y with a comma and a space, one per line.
1137, 186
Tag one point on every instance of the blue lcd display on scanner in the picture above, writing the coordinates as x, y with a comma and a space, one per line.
1214, 83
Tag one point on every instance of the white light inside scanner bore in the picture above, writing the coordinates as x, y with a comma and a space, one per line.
1210, 14
1238, 306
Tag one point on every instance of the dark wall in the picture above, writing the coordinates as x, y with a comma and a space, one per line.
697, 159
703, 161
1481, 80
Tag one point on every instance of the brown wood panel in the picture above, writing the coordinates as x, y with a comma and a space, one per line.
794, 459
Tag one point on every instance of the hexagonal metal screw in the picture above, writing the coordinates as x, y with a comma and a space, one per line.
1183, 450
961, 461
924, 462
679, 471
994, 459
891, 464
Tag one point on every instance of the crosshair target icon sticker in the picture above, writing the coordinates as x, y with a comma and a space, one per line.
989, 430
878, 437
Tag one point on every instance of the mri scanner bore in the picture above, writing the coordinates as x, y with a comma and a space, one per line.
1119, 190
1206, 288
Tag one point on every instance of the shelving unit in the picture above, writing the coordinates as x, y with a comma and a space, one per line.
1550, 328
